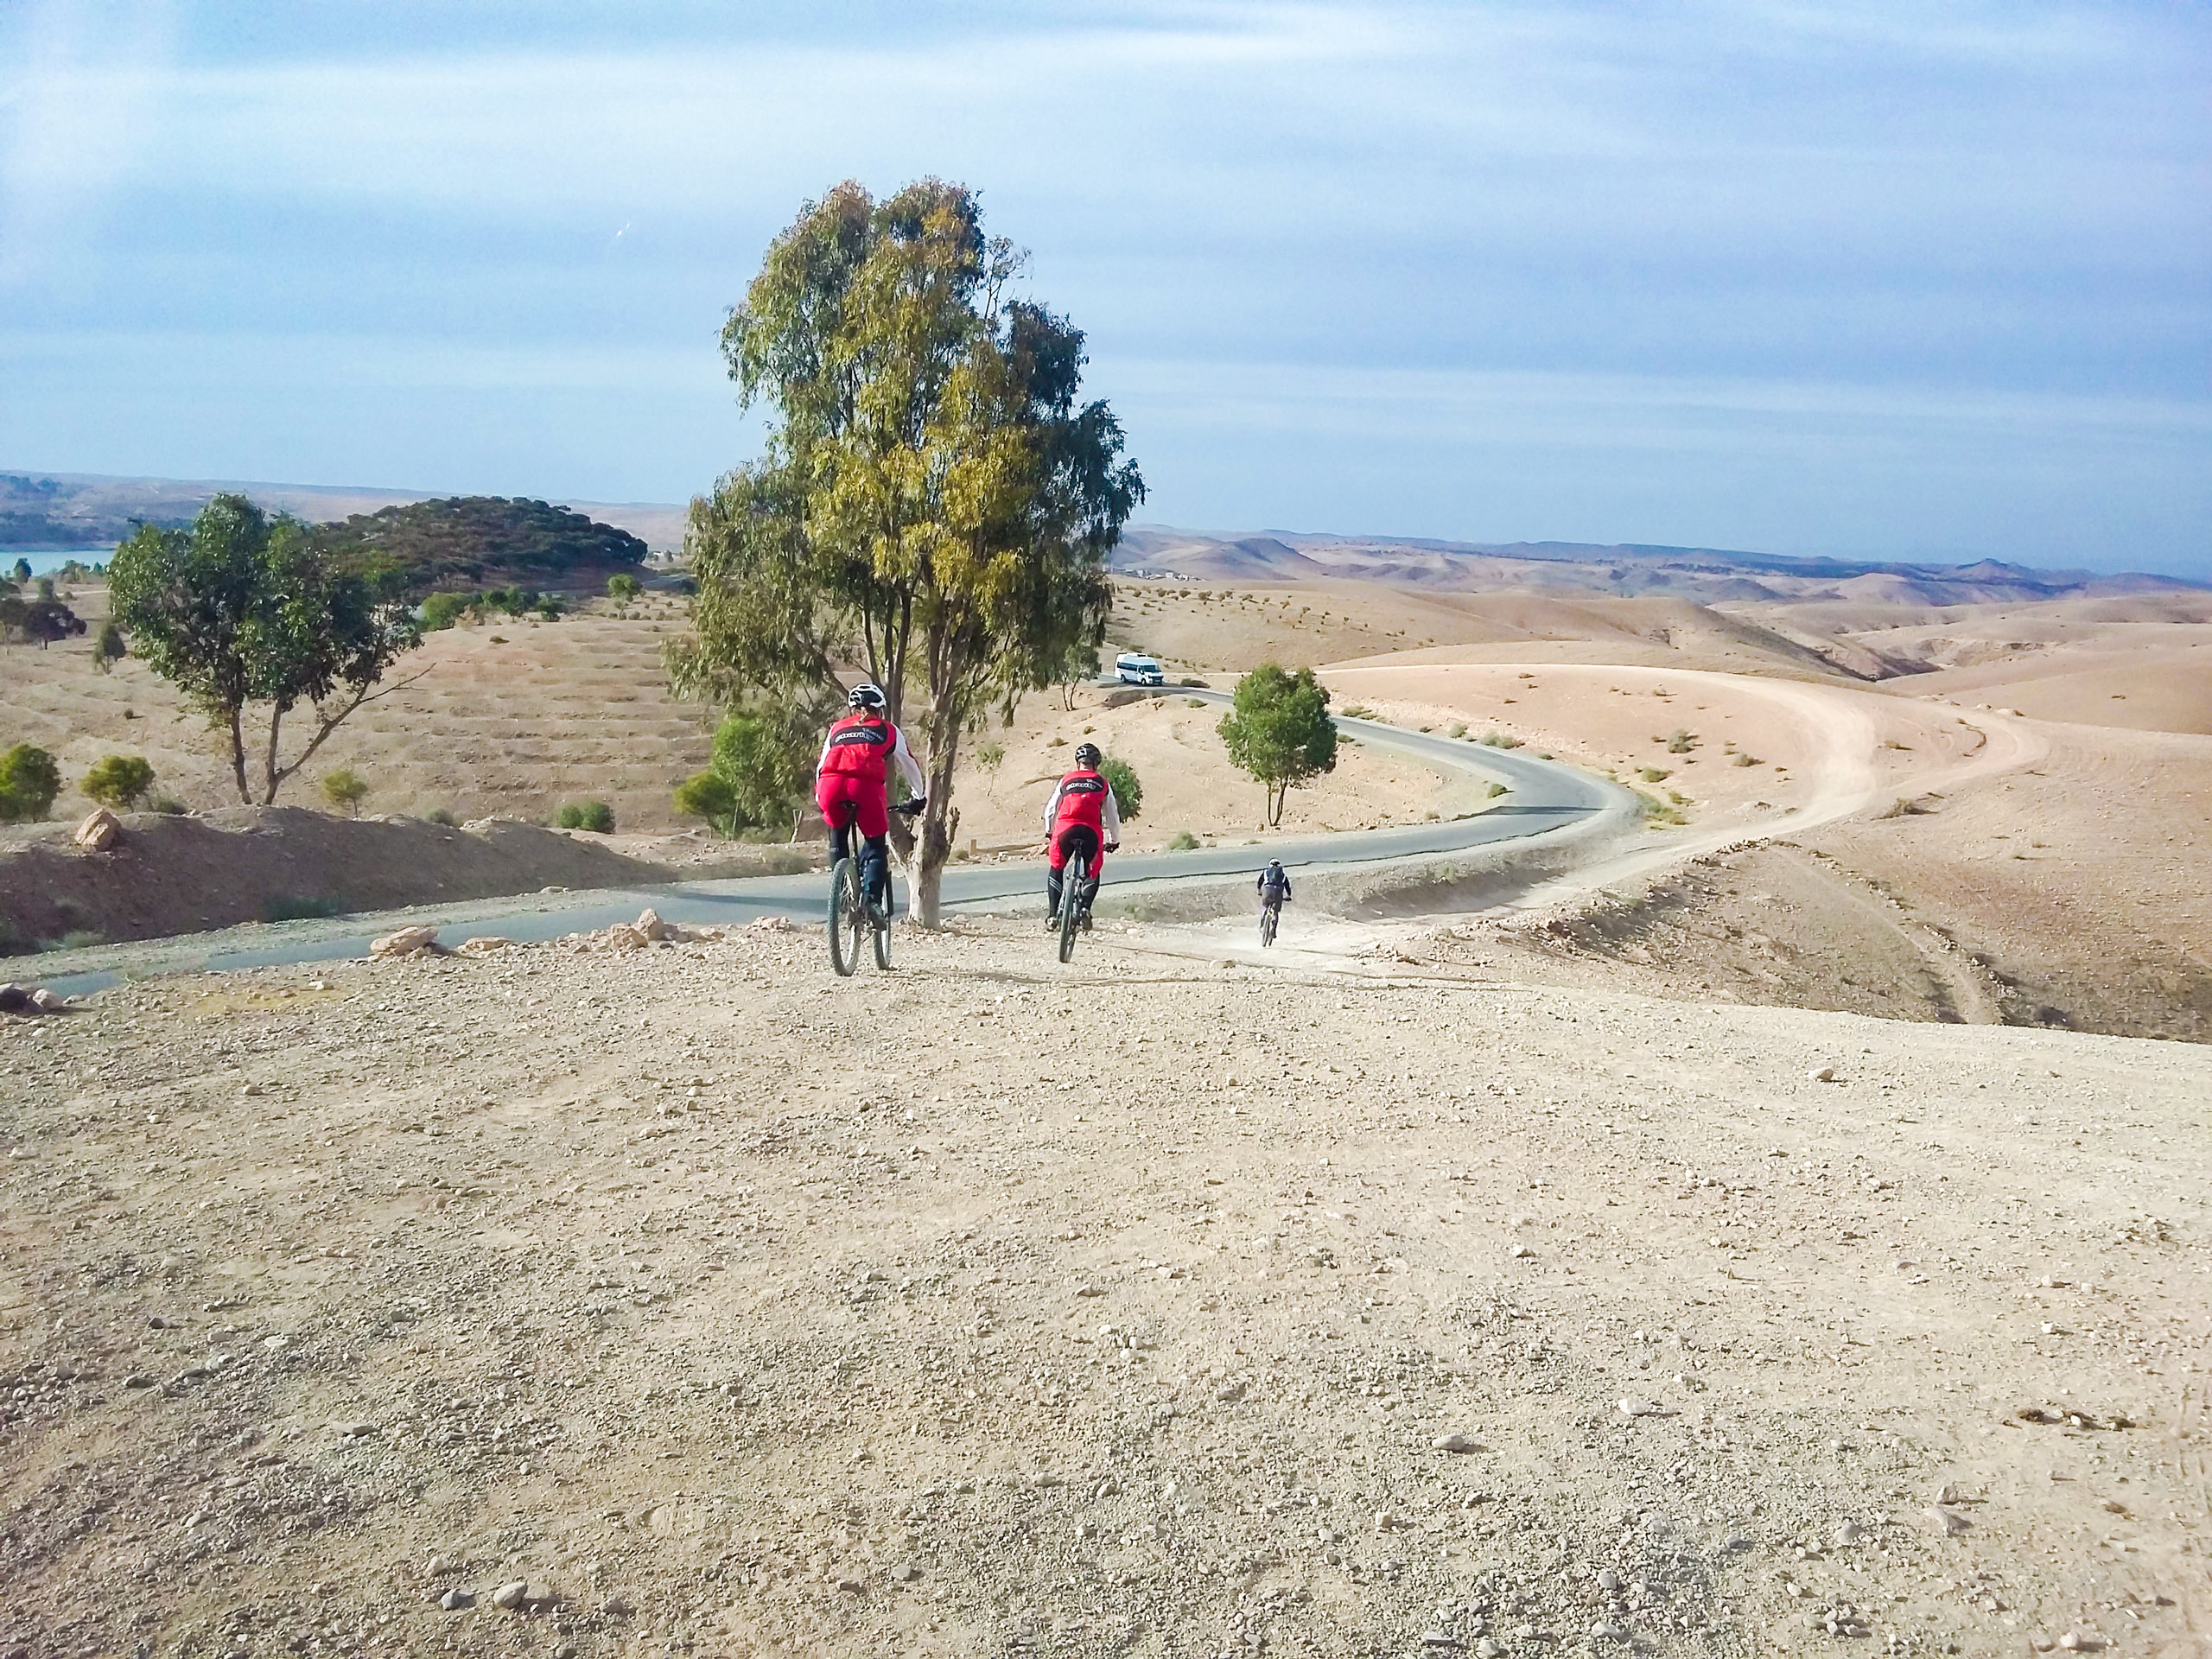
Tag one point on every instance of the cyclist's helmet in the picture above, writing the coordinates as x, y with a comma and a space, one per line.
1274, 867
1087, 756
867, 695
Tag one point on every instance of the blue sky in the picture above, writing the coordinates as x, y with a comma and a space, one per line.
1902, 280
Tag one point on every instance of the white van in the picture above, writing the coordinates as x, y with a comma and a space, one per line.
1132, 668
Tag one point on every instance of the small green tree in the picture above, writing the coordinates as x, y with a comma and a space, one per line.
1122, 777
768, 755
30, 779
990, 756
707, 795
623, 587
109, 648
22, 570
243, 610
345, 787
46, 589
1279, 730
118, 781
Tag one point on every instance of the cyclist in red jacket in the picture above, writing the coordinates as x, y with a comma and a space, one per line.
851, 784
1081, 813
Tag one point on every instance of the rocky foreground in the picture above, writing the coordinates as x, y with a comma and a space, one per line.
693, 1301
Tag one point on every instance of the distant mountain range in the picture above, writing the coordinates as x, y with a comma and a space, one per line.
94, 511
1704, 576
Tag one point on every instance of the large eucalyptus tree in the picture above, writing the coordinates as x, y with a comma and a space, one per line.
933, 507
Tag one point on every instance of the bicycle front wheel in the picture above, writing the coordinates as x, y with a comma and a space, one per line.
1074, 880
847, 917
881, 922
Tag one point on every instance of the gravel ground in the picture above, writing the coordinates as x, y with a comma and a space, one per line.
695, 1301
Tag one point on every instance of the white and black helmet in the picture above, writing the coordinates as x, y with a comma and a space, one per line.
867, 695
1087, 756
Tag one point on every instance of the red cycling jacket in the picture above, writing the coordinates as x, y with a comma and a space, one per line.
859, 746
1084, 798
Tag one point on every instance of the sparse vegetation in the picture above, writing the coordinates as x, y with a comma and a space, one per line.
1657, 812
444, 815
1678, 741
597, 816
1747, 759
345, 788
1498, 789
30, 779
1456, 728
168, 806
622, 588
109, 648
1182, 841
989, 757
1501, 741
1654, 775
117, 781
1361, 711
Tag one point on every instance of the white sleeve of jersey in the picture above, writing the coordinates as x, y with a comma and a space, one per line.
1052, 806
1110, 816
824, 760
909, 769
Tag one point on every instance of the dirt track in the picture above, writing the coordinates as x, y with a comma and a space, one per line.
999, 1306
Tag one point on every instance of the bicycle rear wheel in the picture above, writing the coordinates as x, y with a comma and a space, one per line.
1267, 926
1072, 881
847, 917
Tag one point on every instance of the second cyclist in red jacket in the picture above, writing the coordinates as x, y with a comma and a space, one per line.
1082, 815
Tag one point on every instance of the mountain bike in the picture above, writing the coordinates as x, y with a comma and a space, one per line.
1269, 915
851, 914
1075, 889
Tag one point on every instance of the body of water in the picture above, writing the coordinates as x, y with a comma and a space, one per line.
45, 561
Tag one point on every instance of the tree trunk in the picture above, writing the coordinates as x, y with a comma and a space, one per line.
940, 819
238, 758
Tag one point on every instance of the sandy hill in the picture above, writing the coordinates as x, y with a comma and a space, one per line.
1705, 574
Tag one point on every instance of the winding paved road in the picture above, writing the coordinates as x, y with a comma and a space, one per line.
1547, 799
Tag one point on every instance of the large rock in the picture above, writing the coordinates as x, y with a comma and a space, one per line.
650, 923
101, 831
624, 938
404, 943
14, 999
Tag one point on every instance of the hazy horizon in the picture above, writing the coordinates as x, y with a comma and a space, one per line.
1834, 280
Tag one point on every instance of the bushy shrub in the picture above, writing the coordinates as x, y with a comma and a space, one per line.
623, 587
168, 806
1501, 741
345, 787
1122, 777
597, 816
707, 795
441, 611
1181, 842
30, 779
444, 815
118, 781
110, 648
1496, 789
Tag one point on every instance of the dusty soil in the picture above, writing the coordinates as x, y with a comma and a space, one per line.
1189, 786
993, 1305
247, 864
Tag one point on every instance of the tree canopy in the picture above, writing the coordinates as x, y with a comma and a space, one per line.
933, 507
1279, 730
243, 610
475, 538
